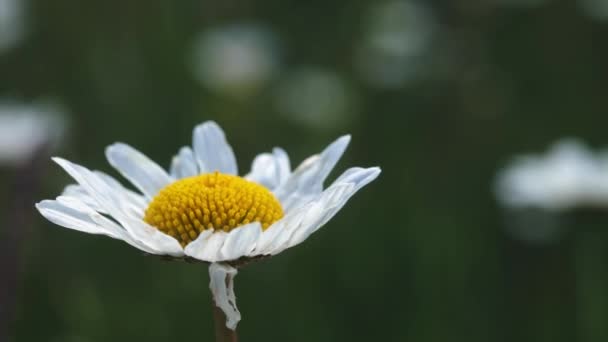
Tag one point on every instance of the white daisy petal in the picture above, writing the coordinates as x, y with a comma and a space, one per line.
309, 215
318, 214
270, 169
331, 201
207, 246
283, 164
105, 222
183, 164
241, 241
71, 213
111, 200
78, 192
278, 233
133, 200
222, 287
263, 170
330, 157
70, 217
307, 180
358, 176
211, 149
153, 237
196, 248
145, 174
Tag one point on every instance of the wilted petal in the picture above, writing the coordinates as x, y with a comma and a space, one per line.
71, 213
222, 287
322, 209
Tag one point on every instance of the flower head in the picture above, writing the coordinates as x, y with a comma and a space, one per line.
202, 209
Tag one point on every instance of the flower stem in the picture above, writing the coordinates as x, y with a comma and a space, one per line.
17, 223
222, 333
591, 281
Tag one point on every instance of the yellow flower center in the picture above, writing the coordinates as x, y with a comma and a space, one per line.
185, 208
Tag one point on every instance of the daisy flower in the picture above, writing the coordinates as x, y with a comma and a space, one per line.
201, 209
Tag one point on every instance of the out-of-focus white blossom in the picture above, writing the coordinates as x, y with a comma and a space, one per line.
25, 128
11, 23
397, 37
568, 176
315, 97
236, 59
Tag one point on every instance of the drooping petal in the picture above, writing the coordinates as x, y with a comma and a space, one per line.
135, 201
359, 176
222, 287
317, 214
307, 180
300, 223
145, 174
330, 202
114, 204
70, 217
211, 149
241, 241
184, 164
132, 200
78, 192
207, 246
279, 233
308, 214
71, 213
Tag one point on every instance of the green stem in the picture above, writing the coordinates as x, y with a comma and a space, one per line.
592, 281
222, 333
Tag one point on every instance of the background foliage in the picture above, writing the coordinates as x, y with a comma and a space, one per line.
422, 254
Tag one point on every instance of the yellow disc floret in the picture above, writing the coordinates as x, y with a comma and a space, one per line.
215, 201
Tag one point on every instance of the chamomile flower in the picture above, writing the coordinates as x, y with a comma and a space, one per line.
202, 209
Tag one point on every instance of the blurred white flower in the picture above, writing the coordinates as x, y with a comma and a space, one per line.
315, 97
26, 128
568, 176
11, 23
398, 35
236, 59
595, 9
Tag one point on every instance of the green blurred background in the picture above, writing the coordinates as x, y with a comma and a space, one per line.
440, 94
